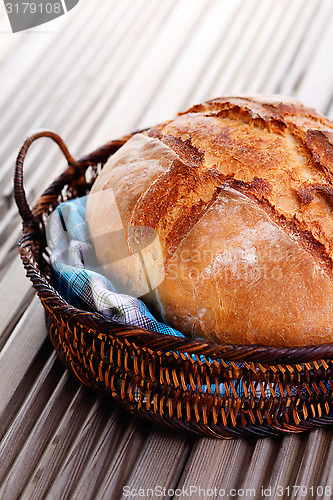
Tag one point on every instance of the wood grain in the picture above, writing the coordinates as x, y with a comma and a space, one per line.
160, 463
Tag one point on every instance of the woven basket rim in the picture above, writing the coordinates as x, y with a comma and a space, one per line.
31, 233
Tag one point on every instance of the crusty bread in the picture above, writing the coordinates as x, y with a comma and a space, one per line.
231, 205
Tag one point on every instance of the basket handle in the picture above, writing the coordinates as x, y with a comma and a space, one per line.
19, 192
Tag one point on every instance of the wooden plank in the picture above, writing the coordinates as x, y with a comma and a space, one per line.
111, 459
260, 465
28, 401
161, 462
13, 304
239, 54
216, 464
59, 39
27, 48
175, 90
104, 424
263, 30
8, 41
40, 435
325, 476
126, 61
120, 446
297, 31
313, 457
76, 419
283, 19
23, 422
329, 111
20, 350
316, 85
218, 62
286, 463
161, 54
307, 48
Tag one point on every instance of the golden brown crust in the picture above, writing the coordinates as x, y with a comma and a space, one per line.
260, 137
245, 280
277, 154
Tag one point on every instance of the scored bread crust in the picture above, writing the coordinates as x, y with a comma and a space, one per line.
257, 163
244, 184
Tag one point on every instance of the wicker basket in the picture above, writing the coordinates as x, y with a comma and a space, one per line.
182, 383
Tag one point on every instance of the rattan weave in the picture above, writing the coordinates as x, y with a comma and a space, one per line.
187, 384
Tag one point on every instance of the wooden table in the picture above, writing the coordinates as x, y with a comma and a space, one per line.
102, 70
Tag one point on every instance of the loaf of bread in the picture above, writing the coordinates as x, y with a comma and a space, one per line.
221, 220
